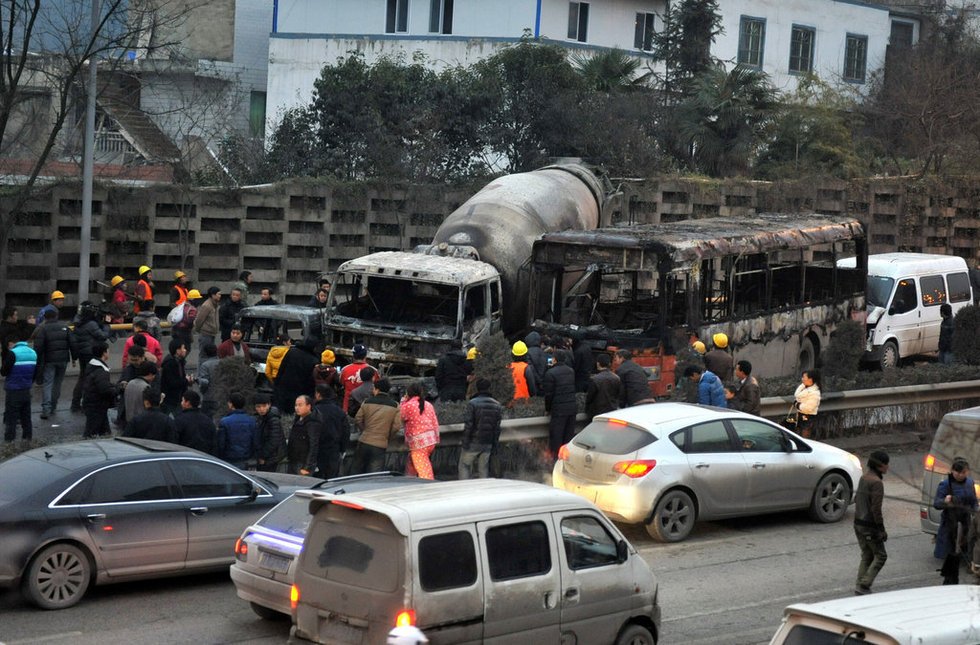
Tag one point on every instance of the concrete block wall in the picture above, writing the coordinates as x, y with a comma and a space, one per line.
290, 233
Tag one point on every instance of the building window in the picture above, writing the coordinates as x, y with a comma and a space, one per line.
902, 34
855, 58
578, 21
256, 114
801, 49
441, 17
396, 20
751, 41
643, 36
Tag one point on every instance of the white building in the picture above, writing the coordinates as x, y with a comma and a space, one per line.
839, 40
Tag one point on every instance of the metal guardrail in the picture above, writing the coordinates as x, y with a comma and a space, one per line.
773, 407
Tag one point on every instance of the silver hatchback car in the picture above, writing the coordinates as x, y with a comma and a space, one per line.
666, 465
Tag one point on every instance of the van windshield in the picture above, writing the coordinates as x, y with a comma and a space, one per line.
357, 554
879, 290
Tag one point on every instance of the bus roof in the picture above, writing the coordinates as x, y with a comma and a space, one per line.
691, 241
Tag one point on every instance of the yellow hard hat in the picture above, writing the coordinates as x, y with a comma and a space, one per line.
327, 357
116, 279
720, 340
699, 347
177, 274
471, 354
194, 294
144, 269
57, 295
519, 349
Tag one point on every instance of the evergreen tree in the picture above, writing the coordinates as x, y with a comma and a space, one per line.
493, 363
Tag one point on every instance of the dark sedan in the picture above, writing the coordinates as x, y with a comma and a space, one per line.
122, 509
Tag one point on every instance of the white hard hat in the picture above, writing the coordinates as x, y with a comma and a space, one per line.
407, 635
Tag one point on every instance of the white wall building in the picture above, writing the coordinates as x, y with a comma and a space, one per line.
839, 40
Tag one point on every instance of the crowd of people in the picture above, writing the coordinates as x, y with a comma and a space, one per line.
156, 397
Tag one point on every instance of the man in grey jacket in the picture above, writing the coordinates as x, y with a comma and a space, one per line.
146, 372
869, 523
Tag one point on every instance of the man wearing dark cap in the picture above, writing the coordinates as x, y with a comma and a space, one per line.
350, 376
869, 524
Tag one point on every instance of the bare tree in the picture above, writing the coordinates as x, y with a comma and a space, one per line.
45, 47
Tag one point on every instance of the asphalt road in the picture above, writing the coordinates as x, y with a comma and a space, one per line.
727, 584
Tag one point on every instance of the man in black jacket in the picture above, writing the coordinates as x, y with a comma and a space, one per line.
272, 440
295, 375
334, 433
194, 428
451, 372
99, 393
481, 430
634, 379
304, 437
584, 364
89, 331
605, 389
560, 402
55, 346
151, 423
228, 313
173, 376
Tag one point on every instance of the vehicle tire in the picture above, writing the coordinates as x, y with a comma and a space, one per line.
673, 518
266, 613
808, 355
58, 577
635, 635
889, 355
830, 499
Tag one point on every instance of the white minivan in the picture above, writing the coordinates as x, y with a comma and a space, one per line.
904, 294
479, 561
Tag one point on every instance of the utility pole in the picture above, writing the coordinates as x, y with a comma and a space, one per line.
88, 156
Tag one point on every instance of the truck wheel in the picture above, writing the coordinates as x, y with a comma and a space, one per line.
636, 635
808, 355
673, 519
889, 355
830, 499
58, 577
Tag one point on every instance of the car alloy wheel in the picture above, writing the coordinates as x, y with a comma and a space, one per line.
830, 499
673, 518
58, 577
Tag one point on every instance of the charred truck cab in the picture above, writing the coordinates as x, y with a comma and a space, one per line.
770, 282
410, 308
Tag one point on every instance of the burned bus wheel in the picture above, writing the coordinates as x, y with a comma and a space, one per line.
808, 355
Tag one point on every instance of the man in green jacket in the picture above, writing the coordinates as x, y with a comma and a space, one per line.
869, 524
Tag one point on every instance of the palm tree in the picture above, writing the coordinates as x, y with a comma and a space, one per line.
609, 71
722, 122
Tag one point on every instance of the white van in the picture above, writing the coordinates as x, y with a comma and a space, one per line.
480, 561
958, 435
944, 615
904, 293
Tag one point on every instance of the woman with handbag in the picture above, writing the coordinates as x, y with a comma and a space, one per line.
807, 403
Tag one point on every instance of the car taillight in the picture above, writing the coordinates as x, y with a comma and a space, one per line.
930, 462
635, 468
241, 549
976, 488
405, 618
563, 452
293, 597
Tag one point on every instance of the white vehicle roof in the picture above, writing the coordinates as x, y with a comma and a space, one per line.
935, 615
418, 266
661, 417
900, 265
446, 503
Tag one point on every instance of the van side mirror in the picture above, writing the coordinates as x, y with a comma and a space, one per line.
622, 551
891, 311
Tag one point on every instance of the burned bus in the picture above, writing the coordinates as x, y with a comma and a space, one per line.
770, 282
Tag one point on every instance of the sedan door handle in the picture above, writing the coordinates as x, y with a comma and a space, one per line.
95, 517
199, 510
758, 465
571, 592
702, 465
